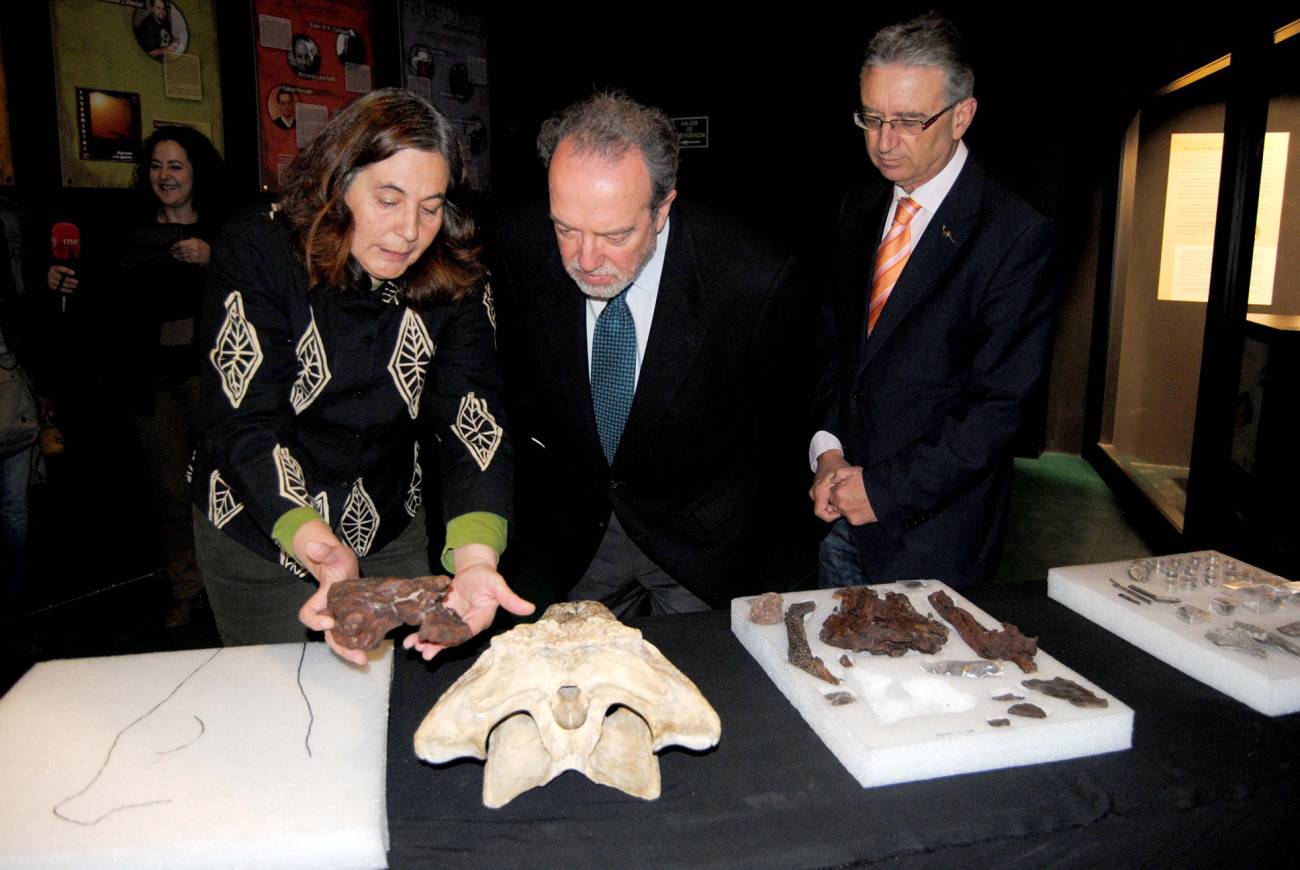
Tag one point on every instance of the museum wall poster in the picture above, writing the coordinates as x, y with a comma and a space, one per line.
1191, 203
444, 60
313, 58
123, 68
6, 143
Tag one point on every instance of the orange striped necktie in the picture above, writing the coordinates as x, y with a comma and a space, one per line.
891, 257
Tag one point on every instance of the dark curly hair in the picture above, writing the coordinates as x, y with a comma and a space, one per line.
368, 130
208, 196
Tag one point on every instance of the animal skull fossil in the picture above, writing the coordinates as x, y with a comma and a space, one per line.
577, 690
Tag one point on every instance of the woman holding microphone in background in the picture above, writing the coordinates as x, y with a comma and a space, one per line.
145, 326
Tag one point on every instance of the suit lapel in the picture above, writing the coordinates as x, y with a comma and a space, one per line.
676, 336
945, 237
562, 313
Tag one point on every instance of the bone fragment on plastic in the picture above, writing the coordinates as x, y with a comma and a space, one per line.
864, 622
1066, 690
767, 609
1031, 711
1008, 644
798, 652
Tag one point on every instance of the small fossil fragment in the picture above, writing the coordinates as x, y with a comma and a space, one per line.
846, 661
1000, 723
1008, 696
954, 668
839, 699
1235, 638
365, 610
1030, 711
766, 609
799, 654
1066, 690
1151, 596
1282, 643
1256, 633
1129, 592
864, 622
1008, 644
1291, 629
1139, 571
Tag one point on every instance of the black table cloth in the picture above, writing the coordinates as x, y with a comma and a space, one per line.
1208, 781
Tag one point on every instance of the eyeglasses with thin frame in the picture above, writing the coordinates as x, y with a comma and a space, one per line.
901, 126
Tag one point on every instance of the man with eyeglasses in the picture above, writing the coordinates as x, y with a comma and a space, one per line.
938, 334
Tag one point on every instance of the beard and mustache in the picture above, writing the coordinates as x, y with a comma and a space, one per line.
622, 279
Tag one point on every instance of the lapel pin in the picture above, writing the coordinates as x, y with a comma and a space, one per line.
947, 234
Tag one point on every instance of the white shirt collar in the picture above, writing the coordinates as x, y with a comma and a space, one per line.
931, 194
648, 280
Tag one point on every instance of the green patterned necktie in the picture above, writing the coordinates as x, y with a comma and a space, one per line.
613, 372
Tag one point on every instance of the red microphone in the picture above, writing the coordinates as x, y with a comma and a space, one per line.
65, 247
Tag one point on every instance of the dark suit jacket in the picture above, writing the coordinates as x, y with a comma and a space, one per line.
710, 453
930, 403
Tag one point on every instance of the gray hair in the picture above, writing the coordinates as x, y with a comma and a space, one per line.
611, 123
927, 40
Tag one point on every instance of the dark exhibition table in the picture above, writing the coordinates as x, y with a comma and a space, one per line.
1208, 781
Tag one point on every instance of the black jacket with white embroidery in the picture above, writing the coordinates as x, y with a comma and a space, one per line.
325, 399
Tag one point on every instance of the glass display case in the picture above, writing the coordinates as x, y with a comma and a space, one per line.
1169, 208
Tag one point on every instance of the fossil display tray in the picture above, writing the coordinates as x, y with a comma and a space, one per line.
1271, 685
937, 725
197, 759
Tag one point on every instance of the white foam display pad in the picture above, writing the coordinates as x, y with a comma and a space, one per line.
202, 758
907, 724
1270, 685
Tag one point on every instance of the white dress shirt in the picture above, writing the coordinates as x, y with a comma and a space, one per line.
642, 295
929, 197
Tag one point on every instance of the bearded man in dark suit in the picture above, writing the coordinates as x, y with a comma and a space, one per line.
938, 336
652, 356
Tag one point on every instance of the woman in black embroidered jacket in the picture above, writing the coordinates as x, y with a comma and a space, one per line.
348, 333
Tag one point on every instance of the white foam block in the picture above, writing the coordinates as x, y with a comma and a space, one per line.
1271, 685
907, 724
197, 759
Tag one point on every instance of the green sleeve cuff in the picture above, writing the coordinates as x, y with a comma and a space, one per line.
289, 523
476, 527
